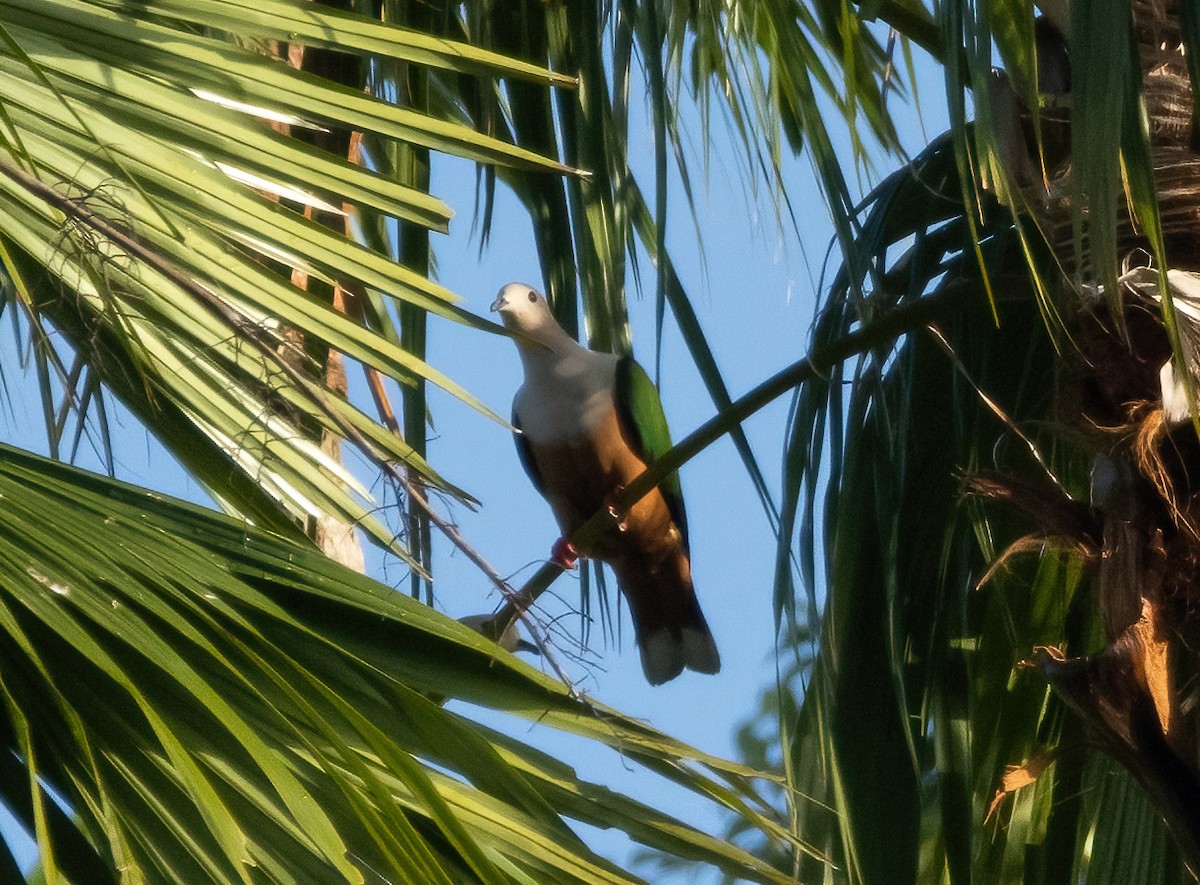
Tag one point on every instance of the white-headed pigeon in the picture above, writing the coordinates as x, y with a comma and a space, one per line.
587, 424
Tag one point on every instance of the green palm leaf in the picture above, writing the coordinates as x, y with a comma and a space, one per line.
175, 680
120, 106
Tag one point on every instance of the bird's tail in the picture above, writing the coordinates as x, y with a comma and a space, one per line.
666, 651
671, 630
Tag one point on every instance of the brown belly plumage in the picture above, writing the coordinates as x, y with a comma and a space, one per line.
646, 550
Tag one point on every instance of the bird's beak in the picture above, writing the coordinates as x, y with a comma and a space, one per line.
499, 302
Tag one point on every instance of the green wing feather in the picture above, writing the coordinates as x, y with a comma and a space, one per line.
645, 427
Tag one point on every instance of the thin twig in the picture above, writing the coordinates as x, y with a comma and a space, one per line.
993, 406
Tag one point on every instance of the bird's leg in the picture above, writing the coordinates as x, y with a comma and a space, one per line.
563, 554
610, 503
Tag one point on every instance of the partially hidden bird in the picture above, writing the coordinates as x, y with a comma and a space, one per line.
588, 423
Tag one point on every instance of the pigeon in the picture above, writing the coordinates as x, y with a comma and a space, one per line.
587, 424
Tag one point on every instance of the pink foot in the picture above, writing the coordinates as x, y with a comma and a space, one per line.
563, 554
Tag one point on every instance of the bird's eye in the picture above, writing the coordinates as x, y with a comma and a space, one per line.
532, 295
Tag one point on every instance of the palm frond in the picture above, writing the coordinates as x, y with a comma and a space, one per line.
932, 704
237, 705
157, 126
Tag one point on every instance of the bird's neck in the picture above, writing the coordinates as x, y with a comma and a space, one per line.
546, 347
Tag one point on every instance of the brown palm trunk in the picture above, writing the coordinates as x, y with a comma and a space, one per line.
337, 539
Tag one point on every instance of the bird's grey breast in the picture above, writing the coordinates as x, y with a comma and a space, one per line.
565, 397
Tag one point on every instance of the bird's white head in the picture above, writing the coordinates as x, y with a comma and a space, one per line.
524, 309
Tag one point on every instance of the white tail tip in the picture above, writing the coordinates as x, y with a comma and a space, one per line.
664, 656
